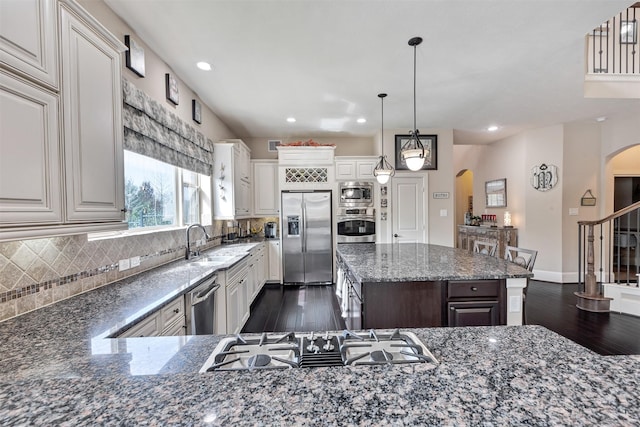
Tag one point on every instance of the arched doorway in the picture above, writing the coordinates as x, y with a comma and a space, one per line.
464, 196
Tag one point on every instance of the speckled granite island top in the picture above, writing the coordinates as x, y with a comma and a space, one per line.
56, 369
404, 262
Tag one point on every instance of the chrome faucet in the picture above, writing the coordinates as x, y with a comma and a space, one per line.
188, 253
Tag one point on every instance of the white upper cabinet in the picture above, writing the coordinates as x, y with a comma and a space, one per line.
92, 104
28, 42
355, 168
231, 180
30, 178
266, 194
61, 159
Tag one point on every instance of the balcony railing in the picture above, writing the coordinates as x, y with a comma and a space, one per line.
612, 245
613, 46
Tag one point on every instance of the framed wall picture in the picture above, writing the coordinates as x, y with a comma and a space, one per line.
430, 143
196, 111
628, 32
496, 193
273, 143
172, 89
134, 56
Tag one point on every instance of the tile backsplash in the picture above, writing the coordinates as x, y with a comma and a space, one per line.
38, 272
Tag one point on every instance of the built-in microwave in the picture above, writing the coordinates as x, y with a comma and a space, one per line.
356, 194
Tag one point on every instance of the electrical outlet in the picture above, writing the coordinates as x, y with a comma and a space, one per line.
124, 264
135, 261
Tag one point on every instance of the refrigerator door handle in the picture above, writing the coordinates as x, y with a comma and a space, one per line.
303, 226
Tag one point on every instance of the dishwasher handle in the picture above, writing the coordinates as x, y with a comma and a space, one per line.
203, 295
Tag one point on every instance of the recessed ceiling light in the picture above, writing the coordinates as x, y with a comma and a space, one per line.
291, 119
492, 128
601, 119
362, 120
205, 66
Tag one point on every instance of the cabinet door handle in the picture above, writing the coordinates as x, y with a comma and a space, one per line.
176, 310
473, 288
452, 308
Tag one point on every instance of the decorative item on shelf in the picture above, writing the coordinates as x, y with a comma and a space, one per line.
309, 143
383, 170
413, 152
507, 219
171, 88
134, 56
588, 199
196, 111
544, 177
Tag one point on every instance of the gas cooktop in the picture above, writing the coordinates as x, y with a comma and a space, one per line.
291, 350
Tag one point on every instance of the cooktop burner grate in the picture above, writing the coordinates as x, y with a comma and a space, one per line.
285, 351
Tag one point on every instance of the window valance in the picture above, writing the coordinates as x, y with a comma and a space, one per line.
153, 131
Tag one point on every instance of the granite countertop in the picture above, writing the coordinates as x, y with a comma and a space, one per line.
418, 262
57, 369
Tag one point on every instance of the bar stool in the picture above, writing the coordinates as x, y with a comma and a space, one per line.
525, 258
485, 248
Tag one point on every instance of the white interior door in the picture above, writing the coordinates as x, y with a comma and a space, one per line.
409, 223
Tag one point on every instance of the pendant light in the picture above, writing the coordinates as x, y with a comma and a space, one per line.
383, 170
413, 152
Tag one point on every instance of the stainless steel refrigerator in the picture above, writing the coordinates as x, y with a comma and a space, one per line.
307, 253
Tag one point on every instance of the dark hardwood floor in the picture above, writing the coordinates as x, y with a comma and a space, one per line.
553, 306
315, 308
295, 308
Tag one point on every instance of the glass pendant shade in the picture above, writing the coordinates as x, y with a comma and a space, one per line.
383, 170
414, 158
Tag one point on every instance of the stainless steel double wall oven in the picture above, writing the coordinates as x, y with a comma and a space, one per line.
356, 222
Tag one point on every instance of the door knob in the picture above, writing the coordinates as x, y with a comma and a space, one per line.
396, 235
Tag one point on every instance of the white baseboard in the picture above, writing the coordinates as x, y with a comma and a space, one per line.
626, 299
552, 276
562, 277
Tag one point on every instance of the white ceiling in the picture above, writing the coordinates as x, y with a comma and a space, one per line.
515, 63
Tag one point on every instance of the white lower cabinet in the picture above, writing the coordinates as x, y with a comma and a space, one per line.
275, 263
236, 295
170, 320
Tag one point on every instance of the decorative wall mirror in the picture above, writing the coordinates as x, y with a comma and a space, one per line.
496, 192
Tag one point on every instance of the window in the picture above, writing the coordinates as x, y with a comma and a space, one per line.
158, 194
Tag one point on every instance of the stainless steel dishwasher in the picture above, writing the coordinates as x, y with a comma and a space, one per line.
201, 305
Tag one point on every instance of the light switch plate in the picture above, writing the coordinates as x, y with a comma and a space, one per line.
443, 212
124, 264
573, 211
135, 261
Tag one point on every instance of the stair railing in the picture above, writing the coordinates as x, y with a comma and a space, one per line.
613, 46
613, 245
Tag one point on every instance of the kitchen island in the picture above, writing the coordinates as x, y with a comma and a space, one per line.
423, 285
57, 368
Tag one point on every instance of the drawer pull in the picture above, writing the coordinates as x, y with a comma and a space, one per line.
473, 288
176, 310
452, 308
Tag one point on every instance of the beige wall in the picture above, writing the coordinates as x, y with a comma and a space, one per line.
543, 209
153, 83
581, 173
